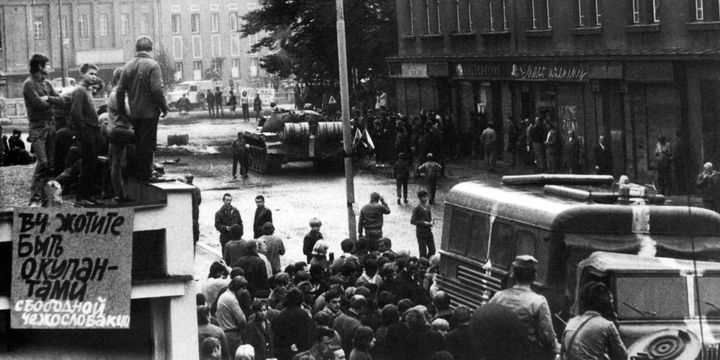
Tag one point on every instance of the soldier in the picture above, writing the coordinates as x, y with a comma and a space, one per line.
531, 308
218, 102
432, 170
210, 98
240, 154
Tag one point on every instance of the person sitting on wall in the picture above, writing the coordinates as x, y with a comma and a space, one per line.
18, 154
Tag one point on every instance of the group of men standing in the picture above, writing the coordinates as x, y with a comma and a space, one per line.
215, 103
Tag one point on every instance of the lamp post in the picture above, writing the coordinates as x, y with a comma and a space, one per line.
345, 105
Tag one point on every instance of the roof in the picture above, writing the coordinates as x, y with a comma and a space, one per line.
606, 261
596, 54
531, 205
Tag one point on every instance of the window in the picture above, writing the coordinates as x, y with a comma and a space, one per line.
707, 10
496, 9
144, 24
501, 245
252, 6
588, 13
39, 31
235, 68
176, 24
84, 25
178, 71
254, 68
411, 17
235, 45
197, 46
646, 11
432, 14
65, 27
125, 24
540, 12
699, 10
463, 15
177, 48
215, 22
103, 25
233, 21
197, 70
215, 45
195, 23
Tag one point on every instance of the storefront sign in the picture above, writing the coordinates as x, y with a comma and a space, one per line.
71, 268
521, 71
482, 71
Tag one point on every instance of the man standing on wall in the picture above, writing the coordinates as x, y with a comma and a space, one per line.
84, 121
142, 81
40, 97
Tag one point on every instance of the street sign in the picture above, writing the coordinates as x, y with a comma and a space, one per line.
332, 100
72, 268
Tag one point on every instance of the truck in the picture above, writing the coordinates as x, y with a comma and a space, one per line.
562, 220
194, 90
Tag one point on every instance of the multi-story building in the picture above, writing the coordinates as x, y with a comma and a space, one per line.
196, 33
630, 70
102, 32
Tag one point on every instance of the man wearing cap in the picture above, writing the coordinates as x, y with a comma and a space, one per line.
226, 217
531, 308
432, 171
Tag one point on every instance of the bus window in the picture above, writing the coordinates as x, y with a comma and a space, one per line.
193, 87
525, 242
478, 245
501, 245
460, 233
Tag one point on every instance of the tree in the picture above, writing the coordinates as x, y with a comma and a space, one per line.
214, 71
167, 67
301, 36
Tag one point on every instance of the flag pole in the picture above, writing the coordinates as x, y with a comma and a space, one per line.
345, 105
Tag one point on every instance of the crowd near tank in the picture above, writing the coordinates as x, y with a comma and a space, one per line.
296, 135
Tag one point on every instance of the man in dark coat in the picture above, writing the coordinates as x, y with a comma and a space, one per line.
218, 102
257, 106
254, 266
226, 217
603, 157
210, 98
240, 155
349, 322
293, 329
262, 216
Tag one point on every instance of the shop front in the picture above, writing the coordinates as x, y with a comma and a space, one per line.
421, 85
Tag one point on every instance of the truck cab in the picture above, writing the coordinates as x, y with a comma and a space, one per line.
666, 308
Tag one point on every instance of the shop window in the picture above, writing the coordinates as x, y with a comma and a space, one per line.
588, 12
644, 12
463, 15
432, 15
540, 12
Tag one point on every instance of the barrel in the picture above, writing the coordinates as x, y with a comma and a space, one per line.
296, 131
330, 129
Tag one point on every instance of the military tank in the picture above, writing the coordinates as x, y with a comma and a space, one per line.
296, 135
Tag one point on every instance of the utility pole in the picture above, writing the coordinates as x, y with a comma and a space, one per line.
63, 73
345, 105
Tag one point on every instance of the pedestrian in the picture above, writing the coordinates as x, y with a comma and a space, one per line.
262, 215
573, 152
218, 102
293, 328
663, 164
422, 219
258, 331
245, 352
537, 137
432, 170
226, 217
235, 248
240, 155
183, 105
275, 246
210, 349
370, 221
594, 334
401, 173
257, 106
420, 342
319, 254
456, 340
245, 103
142, 81
40, 97
531, 308
196, 200
488, 138
210, 99
363, 342
216, 280
348, 323
312, 237
254, 267
708, 182
603, 157
84, 121
553, 146
514, 146
121, 134
232, 104
230, 316
208, 330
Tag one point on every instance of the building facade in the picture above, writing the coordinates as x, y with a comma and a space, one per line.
196, 34
102, 32
630, 70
